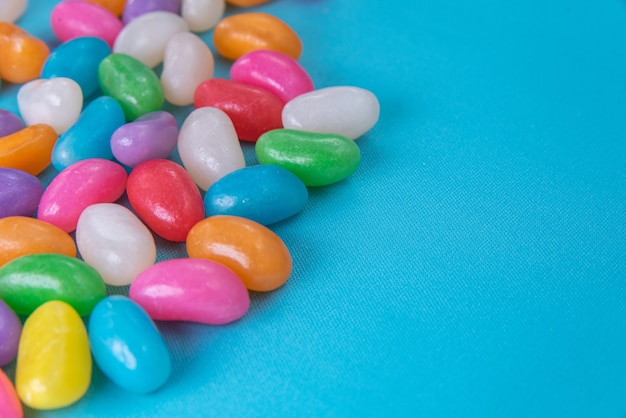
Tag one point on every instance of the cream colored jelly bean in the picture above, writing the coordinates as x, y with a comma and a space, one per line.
202, 15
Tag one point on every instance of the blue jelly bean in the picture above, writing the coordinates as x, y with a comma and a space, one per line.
20, 192
78, 59
90, 136
127, 346
263, 193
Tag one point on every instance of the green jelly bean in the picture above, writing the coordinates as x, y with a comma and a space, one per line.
132, 83
32, 280
318, 159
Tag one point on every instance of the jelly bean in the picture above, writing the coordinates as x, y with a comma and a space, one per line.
10, 330
202, 15
256, 254
28, 150
342, 110
114, 6
90, 136
191, 289
53, 361
78, 59
263, 193
22, 55
247, 3
187, 62
274, 71
208, 146
252, 109
127, 346
76, 18
10, 405
56, 102
244, 32
132, 83
10, 11
81, 184
318, 159
149, 137
137, 8
113, 240
9, 123
146, 36
169, 215
21, 235
20, 192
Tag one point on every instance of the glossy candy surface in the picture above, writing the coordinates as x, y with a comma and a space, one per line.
22, 55
75, 18
10, 330
29, 150
10, 405
19, 192
202, 15
137, 8
165, 197
127, 346
10, 11
32, 280
9, 123
263, 193
53, 362
114, 6
318, 159
256, 254
191, 289
247, 3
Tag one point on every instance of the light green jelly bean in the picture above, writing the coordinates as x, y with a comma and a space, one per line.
132, 83
30, 281
317, 159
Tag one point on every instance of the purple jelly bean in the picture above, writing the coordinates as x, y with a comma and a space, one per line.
151, 136
9, 123
136, 8
20, 193
10, 331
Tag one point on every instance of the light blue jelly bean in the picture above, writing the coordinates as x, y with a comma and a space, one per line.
263, 193
127, 346
78, 59
90, 136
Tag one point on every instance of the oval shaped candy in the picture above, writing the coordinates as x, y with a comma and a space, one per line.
81, 184
318, 159
263, 193
137, 8
253, 110
114, 6
10, 11
208, 146
132, 83
29, 150
20, 192
247, 3
113, 240
202, 15
191, 289
10, 330
53, 362
10, 405
342, 110
274, 71
165, 197
32, 280
90, 136
22, 55
76, 18
149, 137
127, 346
9, 123
21, 235
256, 254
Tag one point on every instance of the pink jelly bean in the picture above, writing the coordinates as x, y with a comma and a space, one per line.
84, 183
191, 289
274, 71
75, 18
10, 406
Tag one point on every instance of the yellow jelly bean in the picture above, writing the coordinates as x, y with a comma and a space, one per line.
53, 359
28, 150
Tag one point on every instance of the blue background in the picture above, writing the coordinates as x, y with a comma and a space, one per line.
474, 265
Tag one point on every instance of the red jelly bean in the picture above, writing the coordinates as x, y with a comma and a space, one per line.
165, 197
252, 109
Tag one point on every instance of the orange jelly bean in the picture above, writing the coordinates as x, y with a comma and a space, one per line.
114, 6
29, 149
22, 55
256, 254
20, 235
239, 34
247, 3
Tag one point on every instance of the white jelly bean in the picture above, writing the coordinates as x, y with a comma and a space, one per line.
208, 146
343, 110
56, 102
146, 36
202, 15
11, 10
115, 242
188, 61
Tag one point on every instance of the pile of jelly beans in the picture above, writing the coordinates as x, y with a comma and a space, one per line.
92, 108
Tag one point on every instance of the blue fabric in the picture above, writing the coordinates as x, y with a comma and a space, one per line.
474, 265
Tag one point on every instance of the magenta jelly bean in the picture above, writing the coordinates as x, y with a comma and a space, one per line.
136, 8
10, 405
84, 183
19, 192
76, 18
9, 123
10, 331
274, 71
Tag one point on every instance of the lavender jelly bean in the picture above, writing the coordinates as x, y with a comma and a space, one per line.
9, 123
19, 192
10, 331
136, 8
